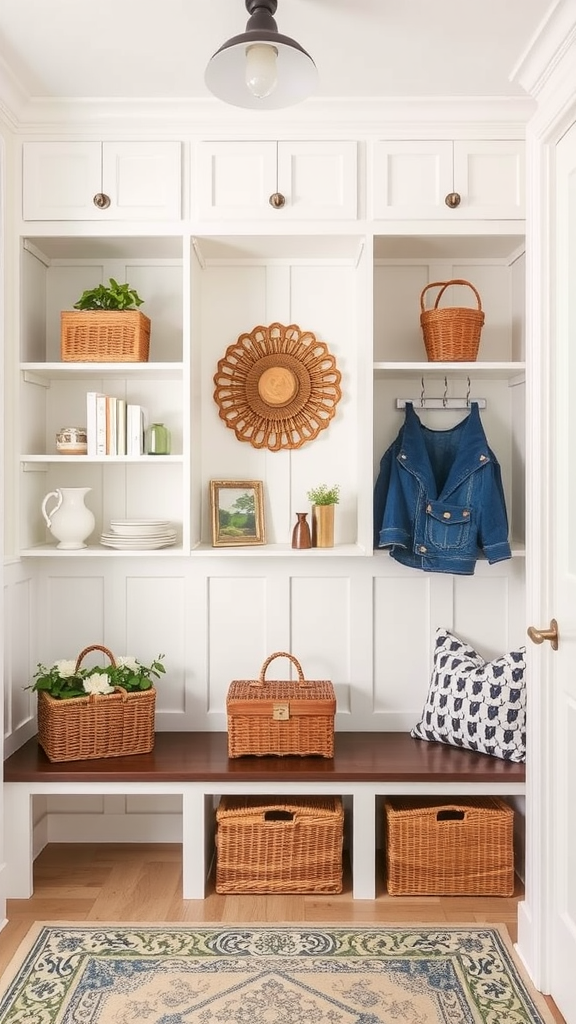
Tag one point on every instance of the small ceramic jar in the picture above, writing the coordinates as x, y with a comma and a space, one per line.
72, 441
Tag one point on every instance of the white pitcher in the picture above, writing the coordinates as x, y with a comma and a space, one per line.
69, 520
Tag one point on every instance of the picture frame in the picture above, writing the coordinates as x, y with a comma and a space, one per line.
237, 512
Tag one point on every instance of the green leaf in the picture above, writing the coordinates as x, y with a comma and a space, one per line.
111, 296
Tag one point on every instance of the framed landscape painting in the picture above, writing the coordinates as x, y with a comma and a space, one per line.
237, 511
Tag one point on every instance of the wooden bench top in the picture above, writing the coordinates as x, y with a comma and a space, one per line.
203, 757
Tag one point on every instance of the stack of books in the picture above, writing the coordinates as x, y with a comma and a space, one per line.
113, 426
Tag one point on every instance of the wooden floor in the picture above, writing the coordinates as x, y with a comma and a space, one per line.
124, 883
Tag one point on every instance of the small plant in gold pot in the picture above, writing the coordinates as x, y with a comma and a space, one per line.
323, 499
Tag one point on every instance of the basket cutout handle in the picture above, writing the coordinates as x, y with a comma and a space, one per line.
278, 815
443, 285
451, 814
281, 654
95, 647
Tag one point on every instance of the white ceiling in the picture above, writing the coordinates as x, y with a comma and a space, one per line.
133, 49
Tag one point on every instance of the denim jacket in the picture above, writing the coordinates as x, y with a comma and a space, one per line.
438, 500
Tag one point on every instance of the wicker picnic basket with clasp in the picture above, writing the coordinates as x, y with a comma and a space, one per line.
451, 333
98, 725
277, 717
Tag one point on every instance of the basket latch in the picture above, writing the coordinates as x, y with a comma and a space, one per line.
280, 711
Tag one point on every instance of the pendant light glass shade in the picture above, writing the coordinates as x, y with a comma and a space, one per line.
261, 69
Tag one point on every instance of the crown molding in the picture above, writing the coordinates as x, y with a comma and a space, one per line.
13, 98
547, 70
456, 116
548, 50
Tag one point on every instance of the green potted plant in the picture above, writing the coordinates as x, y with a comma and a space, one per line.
99, 711
323, 499
105, 325
110, 296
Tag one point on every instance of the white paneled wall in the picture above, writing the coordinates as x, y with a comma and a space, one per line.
366, 624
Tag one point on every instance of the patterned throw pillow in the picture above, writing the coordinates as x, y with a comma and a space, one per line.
474, 703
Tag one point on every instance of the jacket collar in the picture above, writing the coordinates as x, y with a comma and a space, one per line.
472, 451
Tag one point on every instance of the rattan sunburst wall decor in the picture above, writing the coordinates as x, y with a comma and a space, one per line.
277, 387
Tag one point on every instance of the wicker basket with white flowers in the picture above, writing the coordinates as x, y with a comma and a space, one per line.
101, 711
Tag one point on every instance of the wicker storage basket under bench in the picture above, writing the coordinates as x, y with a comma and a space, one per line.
279, 845
460, 848
276, 718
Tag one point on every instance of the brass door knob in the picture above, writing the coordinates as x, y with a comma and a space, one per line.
538, 636
453, 199
277, 200
101, 200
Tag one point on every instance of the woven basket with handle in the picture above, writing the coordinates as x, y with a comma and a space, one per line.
104, 336
98, 725
279, 844
461, 848
276, 717
451, 333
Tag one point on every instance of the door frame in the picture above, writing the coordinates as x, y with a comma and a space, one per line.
548, 73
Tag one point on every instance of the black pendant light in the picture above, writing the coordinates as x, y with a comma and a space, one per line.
261, 69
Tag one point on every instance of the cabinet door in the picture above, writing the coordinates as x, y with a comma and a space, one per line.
60, 180
489, 177
140, 179
317, 180
235, 180
410, 180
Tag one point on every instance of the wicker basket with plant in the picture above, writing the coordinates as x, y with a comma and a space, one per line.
105, 325
99, 711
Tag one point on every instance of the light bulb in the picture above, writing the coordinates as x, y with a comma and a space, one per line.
261, 76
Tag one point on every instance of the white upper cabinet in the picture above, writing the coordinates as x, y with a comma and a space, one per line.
102, 181
449, 180
276, 181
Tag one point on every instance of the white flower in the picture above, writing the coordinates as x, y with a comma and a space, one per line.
128, 662
65, 669
97, 683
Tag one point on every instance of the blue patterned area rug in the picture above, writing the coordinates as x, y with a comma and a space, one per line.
175, 974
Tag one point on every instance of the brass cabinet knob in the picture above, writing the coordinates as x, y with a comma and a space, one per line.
453, 199
101, 200
277, 200
538, 636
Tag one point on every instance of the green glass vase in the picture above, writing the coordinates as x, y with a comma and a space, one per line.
157, 439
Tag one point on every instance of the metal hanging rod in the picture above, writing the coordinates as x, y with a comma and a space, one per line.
426, 402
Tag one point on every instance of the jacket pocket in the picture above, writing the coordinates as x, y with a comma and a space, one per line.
448, 526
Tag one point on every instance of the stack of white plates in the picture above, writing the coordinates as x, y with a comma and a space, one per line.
139, 534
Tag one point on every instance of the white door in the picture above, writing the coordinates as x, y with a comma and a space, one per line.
314, 180
561, 664
411, 179
142, 180
234, 180
489, 176
60, 180
318, 180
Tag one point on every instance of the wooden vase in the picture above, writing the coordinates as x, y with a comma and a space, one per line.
322, 526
